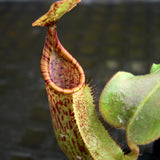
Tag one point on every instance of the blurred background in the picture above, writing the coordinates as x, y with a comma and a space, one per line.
104, 37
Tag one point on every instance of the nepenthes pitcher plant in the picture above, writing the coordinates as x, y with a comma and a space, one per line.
128, 102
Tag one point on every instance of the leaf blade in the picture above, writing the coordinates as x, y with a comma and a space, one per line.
144, 127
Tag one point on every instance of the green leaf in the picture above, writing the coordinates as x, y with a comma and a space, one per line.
144, 127
113, 103
122, 95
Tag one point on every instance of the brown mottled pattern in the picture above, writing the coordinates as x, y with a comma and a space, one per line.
63, 77
65, 126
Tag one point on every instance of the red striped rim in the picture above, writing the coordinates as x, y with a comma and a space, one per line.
44, 63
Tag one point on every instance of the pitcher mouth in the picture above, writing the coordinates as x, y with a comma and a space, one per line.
59, 68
